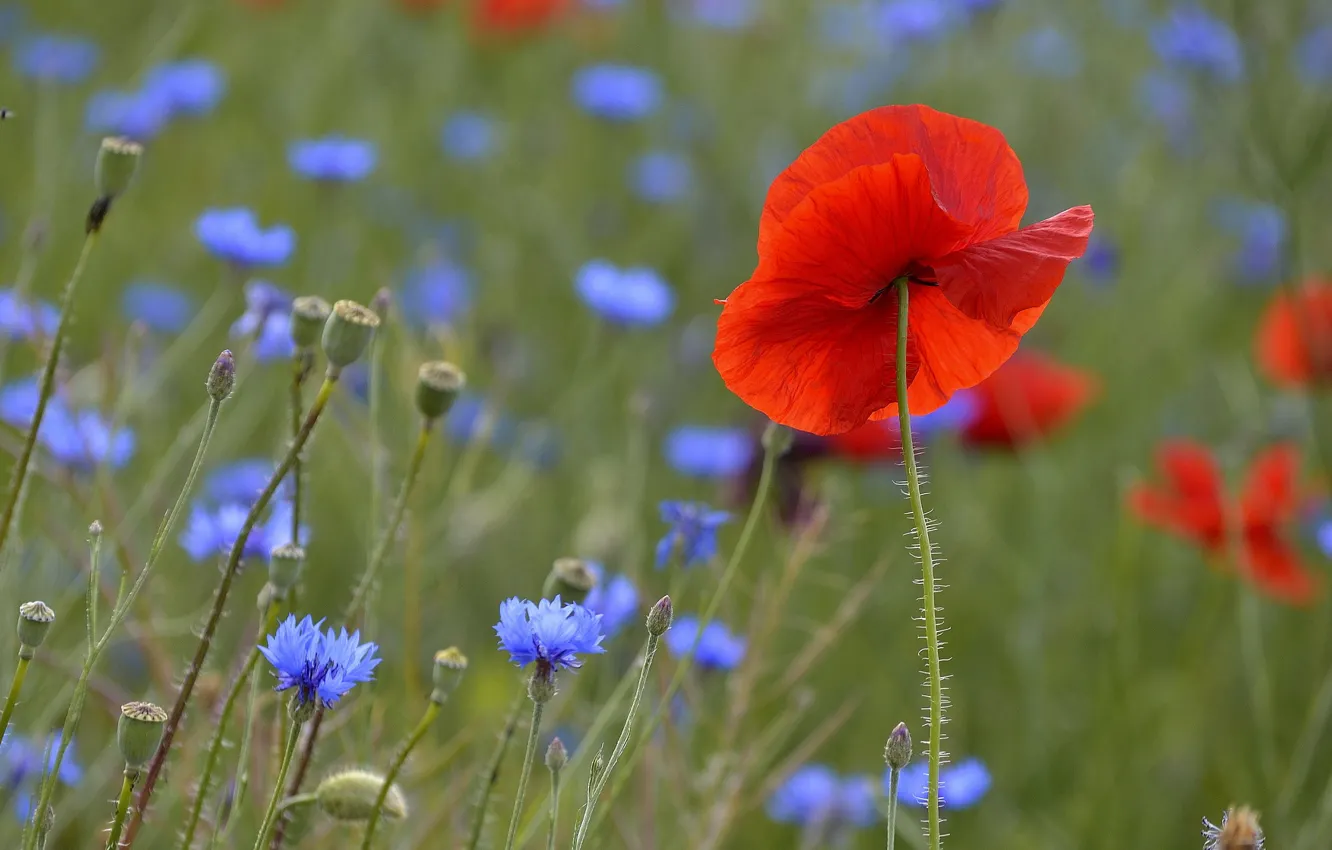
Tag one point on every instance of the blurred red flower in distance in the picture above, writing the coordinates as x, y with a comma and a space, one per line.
1027, 399
1294, 338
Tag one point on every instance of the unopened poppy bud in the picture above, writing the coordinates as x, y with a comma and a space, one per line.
309, 313
571, 579
777, 439
222, 377
897, 752
350, 795
450, 664
285, 564
556, 755
541, 687
35, 619
117, 162
347, 332
139, 732
659, 616
437, 387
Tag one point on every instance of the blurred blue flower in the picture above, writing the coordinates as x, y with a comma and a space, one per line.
274, 341
1049, 51
1169, 102
718, 649
80, 439
186, 87
25, 318
617, 92
56, 58
239, 481
234, 235
1262, 232
1313, 56
22, 766
321, 666
905, 21
846, 27
539, 444
436, 292
814, 794
953, 415
471, 417
630, 297
616, 600
160, 307
468, 135
692, 532
723, 14
211, 530
707, 452
1192, 39
548, 632
138, 115
12, 19
1323, 534
333, 159
1100, 262
661, 177
262, 300
961, 785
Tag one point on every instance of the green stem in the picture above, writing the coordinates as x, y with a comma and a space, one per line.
20, 673
492, 775
297, 800
554, 809
122, 808
297, 404
431, 712
926, 567
46, 390
528, 758
894, 777
215, 745
278, 787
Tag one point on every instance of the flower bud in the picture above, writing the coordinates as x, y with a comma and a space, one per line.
897, 753
347, 332
285, 564
659, 617
139, 733
350, 795
309, 313
450, 664
556, 756
437, 387
35, 619
570, 579
777, 439
222, 377
117, 161
541, 687
95, 529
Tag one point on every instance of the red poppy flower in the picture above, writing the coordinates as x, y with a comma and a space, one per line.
1192, 503
897, 192
873, 441
1295, 336
1026, 399
515, 16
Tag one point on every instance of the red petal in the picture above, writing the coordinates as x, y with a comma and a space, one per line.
1294, 339
1270, 495
1276, 569
873, 441
976, 176
1190, 501
996, 280
1027, 398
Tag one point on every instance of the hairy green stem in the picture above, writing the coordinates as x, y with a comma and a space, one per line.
278, 787
431, 712
894, 777
528, 758
20, 673
492, 775
122, 808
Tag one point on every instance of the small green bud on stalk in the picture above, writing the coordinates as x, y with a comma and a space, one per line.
660, 616
777, 439
139, 733
571, 579
450, 664
897, 753
309, 314
350, 795
347, 333
35, 619
222, 377
117, 162
437, 387
556, 755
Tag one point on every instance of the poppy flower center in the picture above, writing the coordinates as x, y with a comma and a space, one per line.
913, 273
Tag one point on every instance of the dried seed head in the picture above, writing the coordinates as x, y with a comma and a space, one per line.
347, 333
571, 579
450, 664
35, 619
309, 313
139, 732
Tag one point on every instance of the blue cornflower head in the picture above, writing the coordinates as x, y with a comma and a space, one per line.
661, 177
954, 415
322, 666
693, 531
617, 92
275, 342
615, 599
907, 21
333, 159
1100, 262
1192, 39
56, 58
468, 136
187, 87
138, 115
211, 529
1262, 231
436, 292
960, 785
815, 795
1048, 51
548, 632
723, 14
26, 318
631, 297
234, 235
718, 649
707, 452
1323, 536
1313, 56
160, 307
21, 761
80, 439
472, 418
239, 481
262, 300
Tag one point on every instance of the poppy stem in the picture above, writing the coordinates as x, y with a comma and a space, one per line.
926, 552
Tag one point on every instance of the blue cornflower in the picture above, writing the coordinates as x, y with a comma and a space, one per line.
333, 159
1192, 39
693, 532
262, 300
815, 795
1100, 262
905, 21
616, 600
436, 292
186, 87
723, 14
472, 417
631, 297
1049, 51
26, 318
661, 177
548, 632
274, 341
138, 115
234, 235
1169, 102
1323, 534
953, 415
56, 58
960, 785
708, 452
160, 307
322, 666
718, 649
239, 481
1313, 56
211, 529
22, 766
617, 92
1262, 231
80, 439
468, 135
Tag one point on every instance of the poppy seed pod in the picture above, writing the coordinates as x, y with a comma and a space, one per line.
285, 564
139, 732
35, 619
450, 664
437, 387
350, 795
571, 579
897, 753
117, 163
347, 333
309, 313
221, 377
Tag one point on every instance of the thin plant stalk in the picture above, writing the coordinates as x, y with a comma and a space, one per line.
492, 775
220, 601
298, 778
222, 834
278, 786
528, 758
20, 673
431, 712
45, 391
926, 569
122, 808
297, 405
894, 778
554, 809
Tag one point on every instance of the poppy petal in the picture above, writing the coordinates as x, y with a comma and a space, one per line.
1190, 501
1028, 397
1294, 338
1270, 495
996, 280
1275, 568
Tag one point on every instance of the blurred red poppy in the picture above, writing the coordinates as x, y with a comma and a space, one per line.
873, 441
516, 16
897, 192
1026, 399
1192, 503
1295, 335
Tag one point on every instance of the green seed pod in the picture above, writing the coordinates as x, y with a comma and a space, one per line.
117, 162
221, 377
437, 387
350, 795
347, 332
309, 313
571, 579
285, 565
450, 664
139, 733
35, 619
659, 617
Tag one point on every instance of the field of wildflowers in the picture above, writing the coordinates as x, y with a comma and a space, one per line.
478, 424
